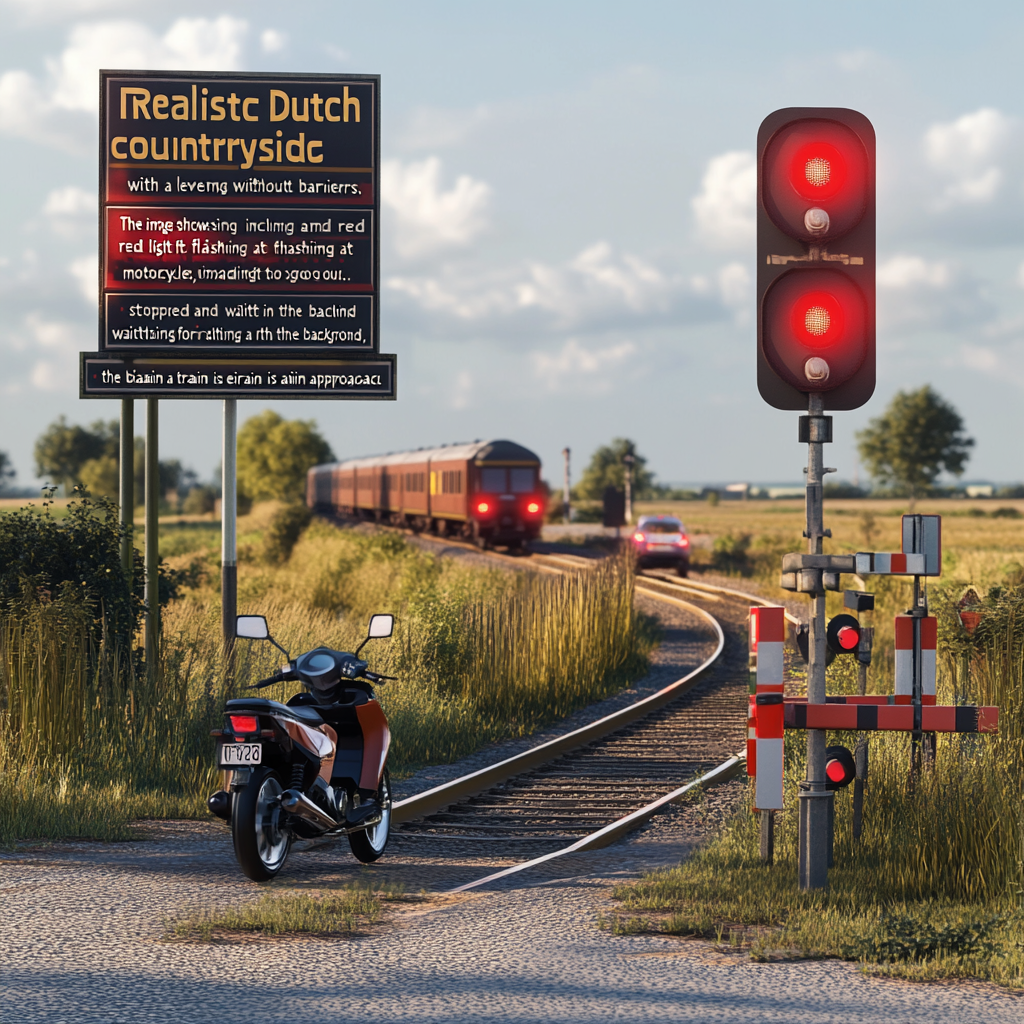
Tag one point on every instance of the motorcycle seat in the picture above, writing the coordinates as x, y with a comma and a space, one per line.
300, 712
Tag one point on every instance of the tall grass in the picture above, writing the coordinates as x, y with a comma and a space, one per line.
938, 872
86, 745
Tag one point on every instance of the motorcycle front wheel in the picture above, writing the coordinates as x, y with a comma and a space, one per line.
368, 845
261, 845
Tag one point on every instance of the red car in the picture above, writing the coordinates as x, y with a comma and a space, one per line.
662, 540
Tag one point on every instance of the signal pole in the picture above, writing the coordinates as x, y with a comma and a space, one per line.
566, 500
629, 459
815, 797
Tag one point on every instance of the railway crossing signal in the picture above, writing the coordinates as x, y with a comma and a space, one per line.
840, 769
816, 257
843, 634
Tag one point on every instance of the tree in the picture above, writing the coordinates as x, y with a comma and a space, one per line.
274, 455
62, 450
7, 470
607, 468
917, 437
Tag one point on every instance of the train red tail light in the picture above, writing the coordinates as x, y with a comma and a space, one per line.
533, 507
483, 507
243, 724
840, 768
816, 252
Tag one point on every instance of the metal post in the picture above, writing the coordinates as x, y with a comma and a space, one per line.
127, 485
860, 758
629, 459
814, 797
228, 516
152, 538
566, 500
768, 837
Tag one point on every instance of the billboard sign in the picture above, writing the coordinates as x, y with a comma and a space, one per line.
238, 215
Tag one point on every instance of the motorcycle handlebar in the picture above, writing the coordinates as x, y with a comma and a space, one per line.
375, 678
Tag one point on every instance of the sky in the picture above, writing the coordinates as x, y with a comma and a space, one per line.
567, 218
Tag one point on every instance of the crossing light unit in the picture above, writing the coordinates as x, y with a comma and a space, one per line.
843, 634
816, 257
840, 768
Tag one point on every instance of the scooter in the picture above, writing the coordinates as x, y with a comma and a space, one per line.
313, 767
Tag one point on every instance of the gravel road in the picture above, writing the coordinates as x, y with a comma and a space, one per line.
82, 925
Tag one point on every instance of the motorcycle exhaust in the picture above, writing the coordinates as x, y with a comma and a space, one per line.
301, 806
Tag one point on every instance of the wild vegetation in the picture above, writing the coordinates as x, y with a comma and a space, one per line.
935, 887
86, 745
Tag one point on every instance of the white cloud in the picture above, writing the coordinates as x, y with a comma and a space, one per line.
70, 210
428, 219
464, 392
37, 109
575, 368
273, 41
597, 288
725, 208
967, 151
913, 292
86, 271
735, 285
70, 201
57, 345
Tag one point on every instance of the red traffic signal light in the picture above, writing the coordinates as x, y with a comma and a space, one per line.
840, 768
816, 257
843, 634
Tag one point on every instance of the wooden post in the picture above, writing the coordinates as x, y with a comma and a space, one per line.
152, 538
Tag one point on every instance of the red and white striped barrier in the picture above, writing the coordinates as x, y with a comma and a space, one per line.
883, 714
883, 563
765, 721
905, 657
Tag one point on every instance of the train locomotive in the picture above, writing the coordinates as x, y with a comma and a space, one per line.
489, 492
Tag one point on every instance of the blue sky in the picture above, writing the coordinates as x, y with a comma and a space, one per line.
567, 216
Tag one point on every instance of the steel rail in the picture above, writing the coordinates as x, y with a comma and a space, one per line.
432, 800
614, 831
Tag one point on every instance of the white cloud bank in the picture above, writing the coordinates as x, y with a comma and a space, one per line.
427, 218
966, 152
44, 109
725, 208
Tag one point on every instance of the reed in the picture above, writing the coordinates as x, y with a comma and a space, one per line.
87, 745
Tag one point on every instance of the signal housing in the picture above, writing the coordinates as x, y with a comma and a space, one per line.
816, 257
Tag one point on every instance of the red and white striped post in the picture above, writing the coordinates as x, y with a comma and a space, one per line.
765, 741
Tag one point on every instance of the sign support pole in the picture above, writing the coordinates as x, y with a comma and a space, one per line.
152, 538
815, 798
127, 486
228, 519
566, 501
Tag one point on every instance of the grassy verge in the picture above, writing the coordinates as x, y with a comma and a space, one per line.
339, 912
86, 744
935, 887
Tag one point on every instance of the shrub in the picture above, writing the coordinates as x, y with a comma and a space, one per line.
284, 531
731, 553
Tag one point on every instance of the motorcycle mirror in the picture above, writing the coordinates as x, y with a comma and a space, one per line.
380, 626
252, 627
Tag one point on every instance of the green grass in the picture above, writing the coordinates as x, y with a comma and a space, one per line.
86, 745
339, 912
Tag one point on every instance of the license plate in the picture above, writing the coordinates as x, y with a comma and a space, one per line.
240, 754
660, 547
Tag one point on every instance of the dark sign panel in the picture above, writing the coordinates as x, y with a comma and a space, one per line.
239, 213
103, 376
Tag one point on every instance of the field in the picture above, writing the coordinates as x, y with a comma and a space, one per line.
935, 887
86, 746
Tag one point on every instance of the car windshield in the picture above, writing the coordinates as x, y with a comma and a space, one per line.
663, 526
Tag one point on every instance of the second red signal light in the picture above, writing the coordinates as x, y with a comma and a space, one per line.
816, 253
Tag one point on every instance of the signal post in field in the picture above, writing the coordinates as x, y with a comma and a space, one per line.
815, 343
816, 348
239, 257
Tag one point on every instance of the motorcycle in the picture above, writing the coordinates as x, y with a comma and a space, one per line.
313, 767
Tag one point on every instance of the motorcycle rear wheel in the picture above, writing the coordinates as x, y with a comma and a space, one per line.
368, 845
261, 845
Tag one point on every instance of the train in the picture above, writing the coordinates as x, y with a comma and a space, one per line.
489, 492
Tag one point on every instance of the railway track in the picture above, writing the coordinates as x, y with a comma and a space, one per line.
588, 788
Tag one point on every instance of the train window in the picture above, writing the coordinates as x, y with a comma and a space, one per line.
522, 480
451, 481
492, 480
